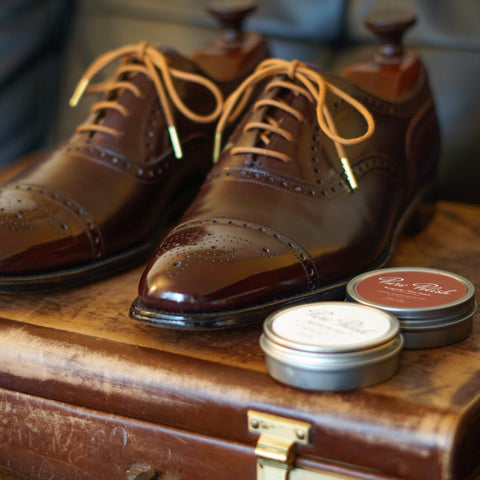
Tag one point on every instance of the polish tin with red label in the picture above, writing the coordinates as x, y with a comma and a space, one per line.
435, 308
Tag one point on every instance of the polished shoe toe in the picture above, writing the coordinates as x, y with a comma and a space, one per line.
208, 268
42, 229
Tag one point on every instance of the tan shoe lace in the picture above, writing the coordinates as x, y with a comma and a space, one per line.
314, 87
154, 65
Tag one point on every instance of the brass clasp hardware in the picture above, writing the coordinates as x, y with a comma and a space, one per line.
275, 448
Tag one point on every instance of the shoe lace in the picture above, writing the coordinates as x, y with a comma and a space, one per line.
314, 87
154, 65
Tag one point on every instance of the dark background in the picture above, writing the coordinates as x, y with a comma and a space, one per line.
46, 45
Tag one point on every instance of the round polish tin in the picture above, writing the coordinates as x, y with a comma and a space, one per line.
331, 346
434, 307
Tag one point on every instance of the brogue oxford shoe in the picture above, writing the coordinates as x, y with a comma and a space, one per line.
313, 187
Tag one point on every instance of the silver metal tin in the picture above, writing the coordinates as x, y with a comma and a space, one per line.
434, 307
331, 346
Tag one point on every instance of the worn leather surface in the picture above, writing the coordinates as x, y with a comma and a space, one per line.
88, 444
262, 233
86, 390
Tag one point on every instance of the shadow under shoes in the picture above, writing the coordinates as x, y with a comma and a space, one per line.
98, 204
293, 209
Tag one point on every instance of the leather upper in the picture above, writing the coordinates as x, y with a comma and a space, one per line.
262, 229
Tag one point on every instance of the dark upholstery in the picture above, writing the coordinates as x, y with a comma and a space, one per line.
32, 33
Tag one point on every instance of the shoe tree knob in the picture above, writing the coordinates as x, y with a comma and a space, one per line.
230, 19
234, 53
393, 70
389, 27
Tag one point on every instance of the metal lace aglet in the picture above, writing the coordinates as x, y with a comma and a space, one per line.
217, 145
349, 173
177, 148
79, 91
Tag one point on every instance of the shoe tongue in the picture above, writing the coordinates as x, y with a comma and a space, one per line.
284, 96
254, 137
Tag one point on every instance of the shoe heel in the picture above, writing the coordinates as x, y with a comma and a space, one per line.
422, 212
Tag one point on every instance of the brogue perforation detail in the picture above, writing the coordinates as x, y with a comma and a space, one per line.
332, 189
18, 222
140, 171
210, 251
89, 224
151, 135
216, 254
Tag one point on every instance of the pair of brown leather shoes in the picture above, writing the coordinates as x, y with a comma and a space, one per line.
320, 175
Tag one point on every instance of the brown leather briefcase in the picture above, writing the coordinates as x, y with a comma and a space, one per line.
86, 393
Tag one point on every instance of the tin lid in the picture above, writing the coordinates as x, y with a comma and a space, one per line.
329, 328
331, 345
418, 297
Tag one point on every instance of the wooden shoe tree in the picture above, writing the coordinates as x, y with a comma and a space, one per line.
393, 70
234, 53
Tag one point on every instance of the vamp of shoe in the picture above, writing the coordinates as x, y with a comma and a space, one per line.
98, 203
313, 187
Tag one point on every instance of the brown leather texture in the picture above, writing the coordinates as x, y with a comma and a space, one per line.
263, 232
87, 393
100, 201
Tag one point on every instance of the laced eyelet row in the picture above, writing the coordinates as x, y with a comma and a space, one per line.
153, 64
303, 80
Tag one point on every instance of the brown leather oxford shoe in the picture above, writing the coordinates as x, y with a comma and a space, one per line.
313, 187
98, 204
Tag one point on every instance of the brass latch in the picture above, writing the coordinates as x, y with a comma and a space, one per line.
275, 448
